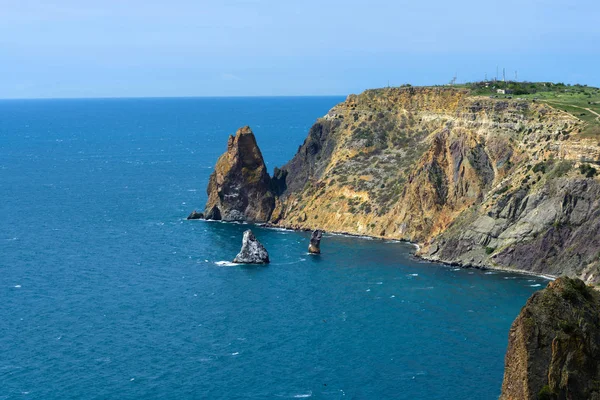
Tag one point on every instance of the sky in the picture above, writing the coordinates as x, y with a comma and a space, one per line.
140, 48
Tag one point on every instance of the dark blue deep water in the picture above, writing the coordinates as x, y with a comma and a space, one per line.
106, 292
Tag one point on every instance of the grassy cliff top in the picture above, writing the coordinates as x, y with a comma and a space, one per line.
581, 101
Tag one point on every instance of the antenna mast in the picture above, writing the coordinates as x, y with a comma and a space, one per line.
453, 81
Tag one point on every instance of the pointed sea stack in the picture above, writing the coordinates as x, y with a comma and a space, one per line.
554, 345
239, 189
315, 242
252, 252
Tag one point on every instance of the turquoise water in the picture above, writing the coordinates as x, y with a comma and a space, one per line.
107, 292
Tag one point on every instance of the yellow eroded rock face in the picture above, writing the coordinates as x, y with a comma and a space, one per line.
428, 164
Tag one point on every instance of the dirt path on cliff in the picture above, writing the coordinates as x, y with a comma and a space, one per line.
593, 112
554, 104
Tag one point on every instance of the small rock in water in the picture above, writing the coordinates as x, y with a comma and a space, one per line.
195, 215
252, 252
315, 242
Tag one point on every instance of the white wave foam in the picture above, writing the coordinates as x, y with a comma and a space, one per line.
225, 263
368, 290
536, 285
303, 396
348, 235
413, 274
282, 229
235, 354
380, 283
18, 286
455, 269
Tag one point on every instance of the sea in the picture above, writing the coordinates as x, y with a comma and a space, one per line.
108, 292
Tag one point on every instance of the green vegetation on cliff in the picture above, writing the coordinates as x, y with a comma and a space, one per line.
581, 101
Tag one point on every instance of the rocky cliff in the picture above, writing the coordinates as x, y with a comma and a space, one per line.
503, 183
554, 345
239, 189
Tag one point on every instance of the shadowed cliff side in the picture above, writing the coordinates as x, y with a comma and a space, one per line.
554, 345
239, 189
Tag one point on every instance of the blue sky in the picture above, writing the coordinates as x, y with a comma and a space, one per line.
115, 48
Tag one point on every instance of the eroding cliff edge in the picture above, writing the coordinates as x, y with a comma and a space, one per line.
502, 183
239, 189
554, 345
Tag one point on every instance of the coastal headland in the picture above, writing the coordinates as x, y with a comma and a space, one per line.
475, 178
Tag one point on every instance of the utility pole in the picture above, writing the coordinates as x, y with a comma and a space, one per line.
516, 76
496, 72
504, 76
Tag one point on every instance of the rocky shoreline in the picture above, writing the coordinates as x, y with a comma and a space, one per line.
479, 183
392, 240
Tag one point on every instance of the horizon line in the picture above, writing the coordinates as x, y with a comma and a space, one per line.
168, 97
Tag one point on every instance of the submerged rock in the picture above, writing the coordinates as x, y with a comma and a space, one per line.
554, 345
195, 215
252, 252
315, 242
239, 189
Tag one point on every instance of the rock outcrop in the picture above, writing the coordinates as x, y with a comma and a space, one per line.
551, 227
475, 181
478, 181
252, 252
314, 247
195, 215
554, 345
239, 189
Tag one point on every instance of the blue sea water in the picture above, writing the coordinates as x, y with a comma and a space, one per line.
107, 292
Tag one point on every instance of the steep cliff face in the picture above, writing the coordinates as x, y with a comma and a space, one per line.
550, 228
554, 345
239, 189
478, 181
